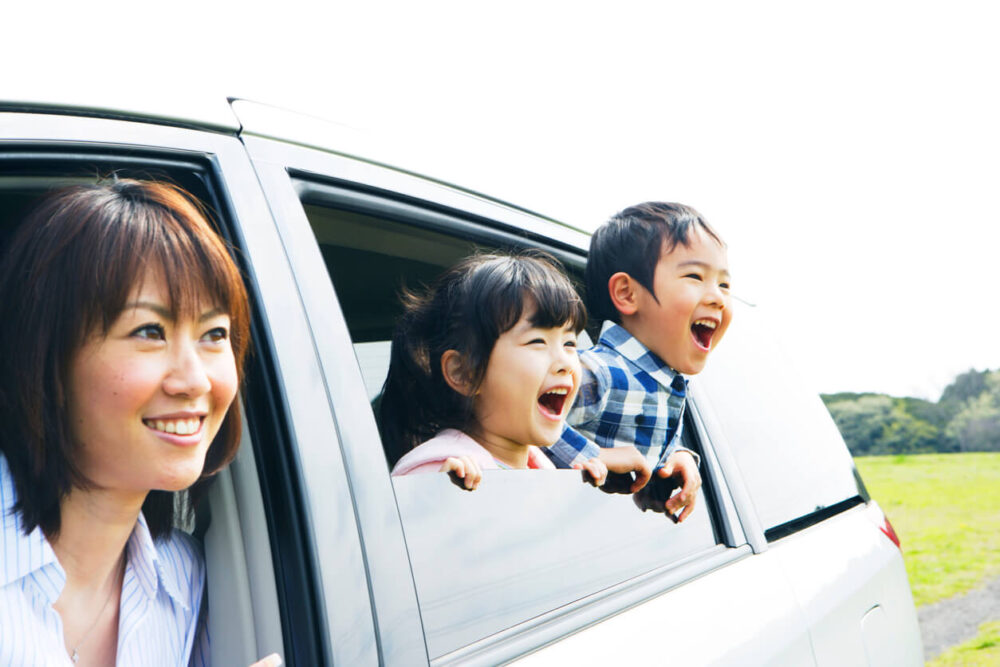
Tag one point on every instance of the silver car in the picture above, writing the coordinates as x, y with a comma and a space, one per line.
314, 551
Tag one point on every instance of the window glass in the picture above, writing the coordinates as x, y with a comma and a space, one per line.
525, 542
791, 455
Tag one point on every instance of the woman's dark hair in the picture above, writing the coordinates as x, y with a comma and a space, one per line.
466, 309
632, 241
66, 276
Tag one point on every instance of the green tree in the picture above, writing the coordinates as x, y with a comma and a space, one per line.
976, 425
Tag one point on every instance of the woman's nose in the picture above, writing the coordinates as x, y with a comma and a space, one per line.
187, 375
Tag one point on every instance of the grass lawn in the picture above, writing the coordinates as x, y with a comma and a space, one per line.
983, 651
946, 510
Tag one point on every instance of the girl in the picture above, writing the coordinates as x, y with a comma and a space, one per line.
483, 368
123, 328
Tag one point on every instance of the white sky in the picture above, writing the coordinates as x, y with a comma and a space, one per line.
848, 152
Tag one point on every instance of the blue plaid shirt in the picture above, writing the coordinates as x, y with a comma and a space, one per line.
628, 396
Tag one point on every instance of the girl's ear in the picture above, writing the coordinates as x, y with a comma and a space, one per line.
622, 288
454, 372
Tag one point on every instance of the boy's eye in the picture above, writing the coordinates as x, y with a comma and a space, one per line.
536, 341
216, 335
149, 332
570, 343
724, 285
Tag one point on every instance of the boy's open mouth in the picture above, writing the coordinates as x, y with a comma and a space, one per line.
703, 330
552, 401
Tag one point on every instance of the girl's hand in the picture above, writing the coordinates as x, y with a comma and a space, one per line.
594, 471
464, 472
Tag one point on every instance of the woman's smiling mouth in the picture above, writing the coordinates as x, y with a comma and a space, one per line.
187, 426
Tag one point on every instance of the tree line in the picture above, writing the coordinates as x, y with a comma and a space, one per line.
965, 419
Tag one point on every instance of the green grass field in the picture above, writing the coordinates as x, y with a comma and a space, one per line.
946, 510
983, 651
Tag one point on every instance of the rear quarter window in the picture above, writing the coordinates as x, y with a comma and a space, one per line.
791, 455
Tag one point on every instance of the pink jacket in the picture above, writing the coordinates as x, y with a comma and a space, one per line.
429, 456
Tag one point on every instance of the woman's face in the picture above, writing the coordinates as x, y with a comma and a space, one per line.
146, 400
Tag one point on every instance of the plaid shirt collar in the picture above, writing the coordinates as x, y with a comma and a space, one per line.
619, 339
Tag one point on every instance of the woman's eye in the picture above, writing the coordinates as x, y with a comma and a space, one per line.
149, 332
216, 335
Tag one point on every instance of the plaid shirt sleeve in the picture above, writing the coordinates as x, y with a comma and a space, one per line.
573, 447
675, 446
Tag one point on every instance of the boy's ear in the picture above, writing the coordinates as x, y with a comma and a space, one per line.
623, 290
454, 372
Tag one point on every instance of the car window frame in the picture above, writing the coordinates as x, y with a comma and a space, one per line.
292, 175
309, 634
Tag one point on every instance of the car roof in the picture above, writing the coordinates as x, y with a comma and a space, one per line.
217, 113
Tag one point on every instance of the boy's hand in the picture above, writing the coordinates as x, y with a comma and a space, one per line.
621, 463
682, 467
464, 472
594, 471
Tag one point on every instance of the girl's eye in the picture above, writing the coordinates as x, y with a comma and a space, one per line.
694, 276
216, 335
149, 332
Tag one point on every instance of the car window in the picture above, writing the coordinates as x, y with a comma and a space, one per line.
526, 542
230, 553
791, 456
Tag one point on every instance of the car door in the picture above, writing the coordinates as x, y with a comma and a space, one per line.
530, 557
266, 590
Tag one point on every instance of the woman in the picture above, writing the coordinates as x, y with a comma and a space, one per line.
123, 328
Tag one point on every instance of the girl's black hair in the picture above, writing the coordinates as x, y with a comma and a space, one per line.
466, 309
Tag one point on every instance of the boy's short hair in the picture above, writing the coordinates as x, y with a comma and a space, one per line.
631, 242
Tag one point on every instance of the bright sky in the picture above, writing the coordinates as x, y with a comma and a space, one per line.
849, 152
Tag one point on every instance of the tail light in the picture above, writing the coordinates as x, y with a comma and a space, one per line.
887, 528
879, 518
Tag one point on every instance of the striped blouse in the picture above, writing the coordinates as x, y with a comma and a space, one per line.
159, 617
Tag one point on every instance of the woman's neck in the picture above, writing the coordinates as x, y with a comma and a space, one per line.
94, 527
507, 452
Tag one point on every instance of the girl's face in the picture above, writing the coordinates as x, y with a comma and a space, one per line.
530, 383
146, 400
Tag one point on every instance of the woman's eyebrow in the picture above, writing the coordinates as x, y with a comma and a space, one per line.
209, 314
164, 312
157, 308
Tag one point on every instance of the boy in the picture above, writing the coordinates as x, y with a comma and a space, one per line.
658, 278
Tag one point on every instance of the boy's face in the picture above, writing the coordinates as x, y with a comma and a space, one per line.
692, 308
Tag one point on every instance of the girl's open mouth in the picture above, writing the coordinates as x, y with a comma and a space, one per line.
552, 401
703, 330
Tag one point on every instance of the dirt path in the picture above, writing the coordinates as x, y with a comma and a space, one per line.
955, 620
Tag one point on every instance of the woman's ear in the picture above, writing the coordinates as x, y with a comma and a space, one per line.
454, 372
622, 288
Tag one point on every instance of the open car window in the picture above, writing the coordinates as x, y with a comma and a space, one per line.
526, 542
